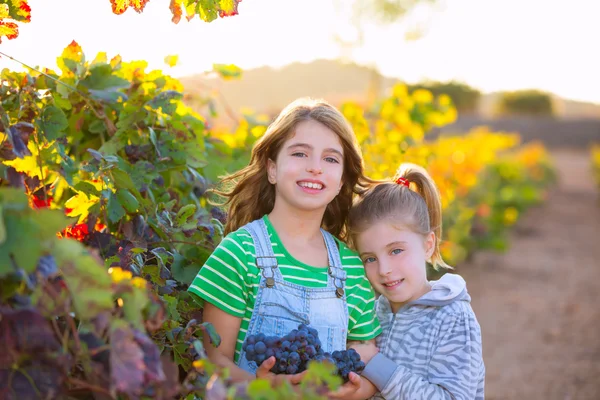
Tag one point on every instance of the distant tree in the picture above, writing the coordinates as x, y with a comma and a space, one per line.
525, 102
464, 97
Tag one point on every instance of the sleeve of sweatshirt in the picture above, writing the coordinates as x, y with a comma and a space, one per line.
455, 370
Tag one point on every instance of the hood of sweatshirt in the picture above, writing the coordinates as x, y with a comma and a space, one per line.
446, 290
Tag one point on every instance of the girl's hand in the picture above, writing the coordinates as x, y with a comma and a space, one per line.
263, 372
366, 350
349, 390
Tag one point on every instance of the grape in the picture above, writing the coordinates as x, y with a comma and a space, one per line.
260, 347
296, 350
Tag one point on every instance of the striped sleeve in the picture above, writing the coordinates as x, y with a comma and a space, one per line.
363, 322
221, 280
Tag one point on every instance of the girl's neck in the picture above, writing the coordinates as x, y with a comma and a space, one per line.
299, 225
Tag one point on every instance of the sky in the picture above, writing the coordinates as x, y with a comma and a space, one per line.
490, 44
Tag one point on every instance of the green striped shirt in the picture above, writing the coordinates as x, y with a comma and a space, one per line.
230, 279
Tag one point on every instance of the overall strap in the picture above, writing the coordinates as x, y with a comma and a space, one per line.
336, 270
266, 260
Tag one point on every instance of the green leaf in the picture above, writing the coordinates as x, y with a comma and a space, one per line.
207, 10
185, 213
114, 208
134, 303
85, 277
213, 336
127, 200
195, 156
101, 78
228, 71
97, 126
171, 304
261, 389
86, 188
166, 100
184, 271
36, 228
53, 121
110, 96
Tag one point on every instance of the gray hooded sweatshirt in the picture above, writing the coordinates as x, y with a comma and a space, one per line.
430, 348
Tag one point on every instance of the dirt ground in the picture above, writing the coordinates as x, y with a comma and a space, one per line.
539, 303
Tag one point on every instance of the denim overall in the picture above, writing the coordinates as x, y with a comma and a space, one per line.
281, 306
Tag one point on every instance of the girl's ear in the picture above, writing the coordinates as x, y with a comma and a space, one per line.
429, 245
271, 171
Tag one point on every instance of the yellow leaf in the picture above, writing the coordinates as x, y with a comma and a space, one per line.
8, 29
79, 205
117, 274
120, 6
3, 11
171, 61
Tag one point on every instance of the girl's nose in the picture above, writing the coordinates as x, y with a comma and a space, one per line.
314, 169
384, 268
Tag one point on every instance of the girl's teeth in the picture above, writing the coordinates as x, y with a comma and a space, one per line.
311, 185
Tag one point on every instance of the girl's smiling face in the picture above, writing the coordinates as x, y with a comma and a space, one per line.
395, 261
309, 167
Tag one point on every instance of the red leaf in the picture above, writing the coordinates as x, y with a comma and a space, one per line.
176, 10
39, 202
24, 331
8, 29
126, 361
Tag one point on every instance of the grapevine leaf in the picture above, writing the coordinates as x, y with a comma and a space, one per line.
175, 7
18, 10
184, 271
134, 301
171, 61
213, 336
207, 10
228, 72
110, 96
39, 379
165, 100
228, 8
8, 29
69, 61
153, 371
53, 121
36, 227
127, 200
85, 277
25, 331
86, 188
171, 305
120, 6
185, 213
126, 360
101, 78
115, 209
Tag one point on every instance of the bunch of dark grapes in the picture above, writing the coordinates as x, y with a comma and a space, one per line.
294, 351
347, 361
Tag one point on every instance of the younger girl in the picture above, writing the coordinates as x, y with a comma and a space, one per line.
282, 262
431, 342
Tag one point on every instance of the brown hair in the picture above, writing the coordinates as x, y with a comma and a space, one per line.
248, 193
417, 207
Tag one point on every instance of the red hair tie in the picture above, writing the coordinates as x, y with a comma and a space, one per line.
402, 181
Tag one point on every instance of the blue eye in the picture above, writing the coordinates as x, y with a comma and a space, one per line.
368, 260
397, 251
300, 155
332, 160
